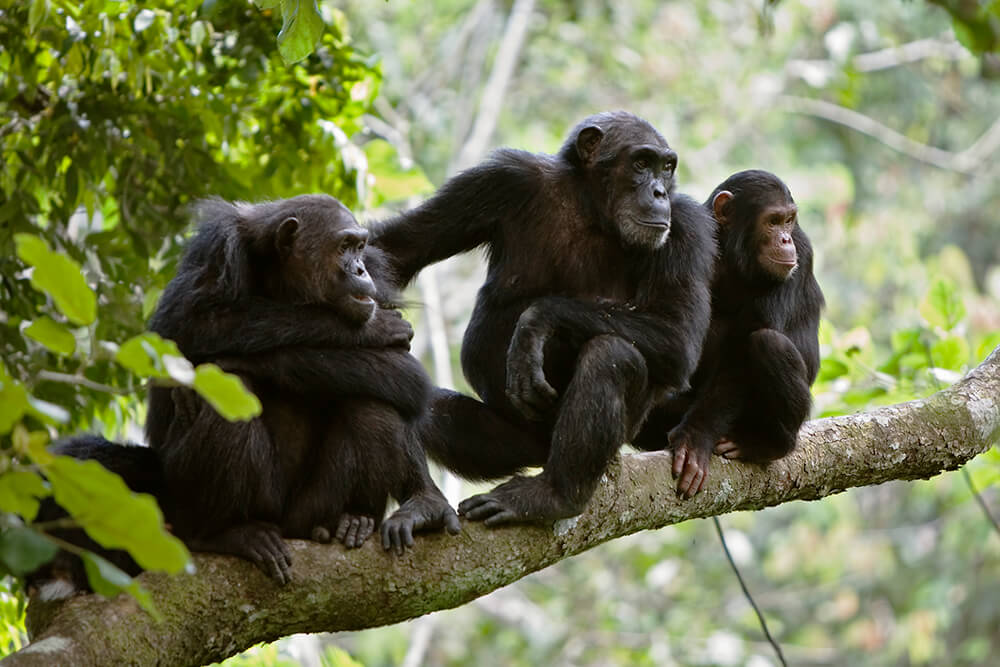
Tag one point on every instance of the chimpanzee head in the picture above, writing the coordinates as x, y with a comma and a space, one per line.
307, 250
321, 252
757, 221
629, 171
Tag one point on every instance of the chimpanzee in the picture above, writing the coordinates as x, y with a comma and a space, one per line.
279, 293
595, 304
750, 393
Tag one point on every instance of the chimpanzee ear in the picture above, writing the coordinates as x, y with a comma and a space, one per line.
286, 235
587, 142
719, 205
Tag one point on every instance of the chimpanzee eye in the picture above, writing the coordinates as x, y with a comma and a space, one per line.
640, 164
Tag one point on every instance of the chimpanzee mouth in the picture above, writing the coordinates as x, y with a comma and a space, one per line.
654, 223
367, 300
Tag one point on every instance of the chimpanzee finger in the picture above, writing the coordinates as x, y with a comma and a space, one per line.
680, 458
343, 526
686, 483
484, 511
280, 548
351, 541
500, 518
472, 502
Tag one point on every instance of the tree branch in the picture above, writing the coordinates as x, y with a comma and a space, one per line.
966, 161
229, 605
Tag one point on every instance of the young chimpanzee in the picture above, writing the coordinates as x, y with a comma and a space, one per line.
596, 303
750, 393
340, 393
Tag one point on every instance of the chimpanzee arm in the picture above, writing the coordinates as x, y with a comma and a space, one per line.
462, 215
206, 331
391, 375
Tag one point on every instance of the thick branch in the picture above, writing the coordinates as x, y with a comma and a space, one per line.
229, 606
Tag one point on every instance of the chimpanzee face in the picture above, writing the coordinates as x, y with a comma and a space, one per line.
322, 249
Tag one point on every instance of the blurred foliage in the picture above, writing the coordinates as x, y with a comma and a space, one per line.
116, 116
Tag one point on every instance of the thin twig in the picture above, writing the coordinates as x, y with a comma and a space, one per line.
979, 499
79, 380
746, 593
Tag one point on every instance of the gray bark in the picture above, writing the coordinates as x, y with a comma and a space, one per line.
229, 605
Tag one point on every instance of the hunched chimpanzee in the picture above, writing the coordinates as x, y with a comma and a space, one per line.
595, 305
750, 393
340, 392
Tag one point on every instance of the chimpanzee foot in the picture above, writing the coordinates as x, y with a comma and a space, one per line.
354, 529
421, 512
258, 542
519, 500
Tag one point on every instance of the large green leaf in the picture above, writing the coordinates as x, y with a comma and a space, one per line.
52, 335
108, 580
302, 26
113, 515
58, 276
20, 492
226, 393
23, 550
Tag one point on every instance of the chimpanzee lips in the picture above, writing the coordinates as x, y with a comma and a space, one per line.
654, 223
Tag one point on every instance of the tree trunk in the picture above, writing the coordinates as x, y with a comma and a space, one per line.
229, 605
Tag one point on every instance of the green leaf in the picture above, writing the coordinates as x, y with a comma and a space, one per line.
143, 355
107, 580
226, 393
39, 10
951, 353
149, 302
830, 369
989, 343
60, 277
942, 306
52, 335
114, 516
20, 493
13, 403
302, 26
23, 550
267, 4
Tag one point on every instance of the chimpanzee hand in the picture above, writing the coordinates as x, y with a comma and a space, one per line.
692, 452
387, 328
527, 389
425, 511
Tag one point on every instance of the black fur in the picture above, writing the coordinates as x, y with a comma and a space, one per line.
751, 389
590, 312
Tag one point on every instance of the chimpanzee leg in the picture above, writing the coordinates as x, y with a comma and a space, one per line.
369, 453
606, 399
777, 400
476, 442
232, 508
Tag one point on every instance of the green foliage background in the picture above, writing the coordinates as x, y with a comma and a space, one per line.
115, 116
